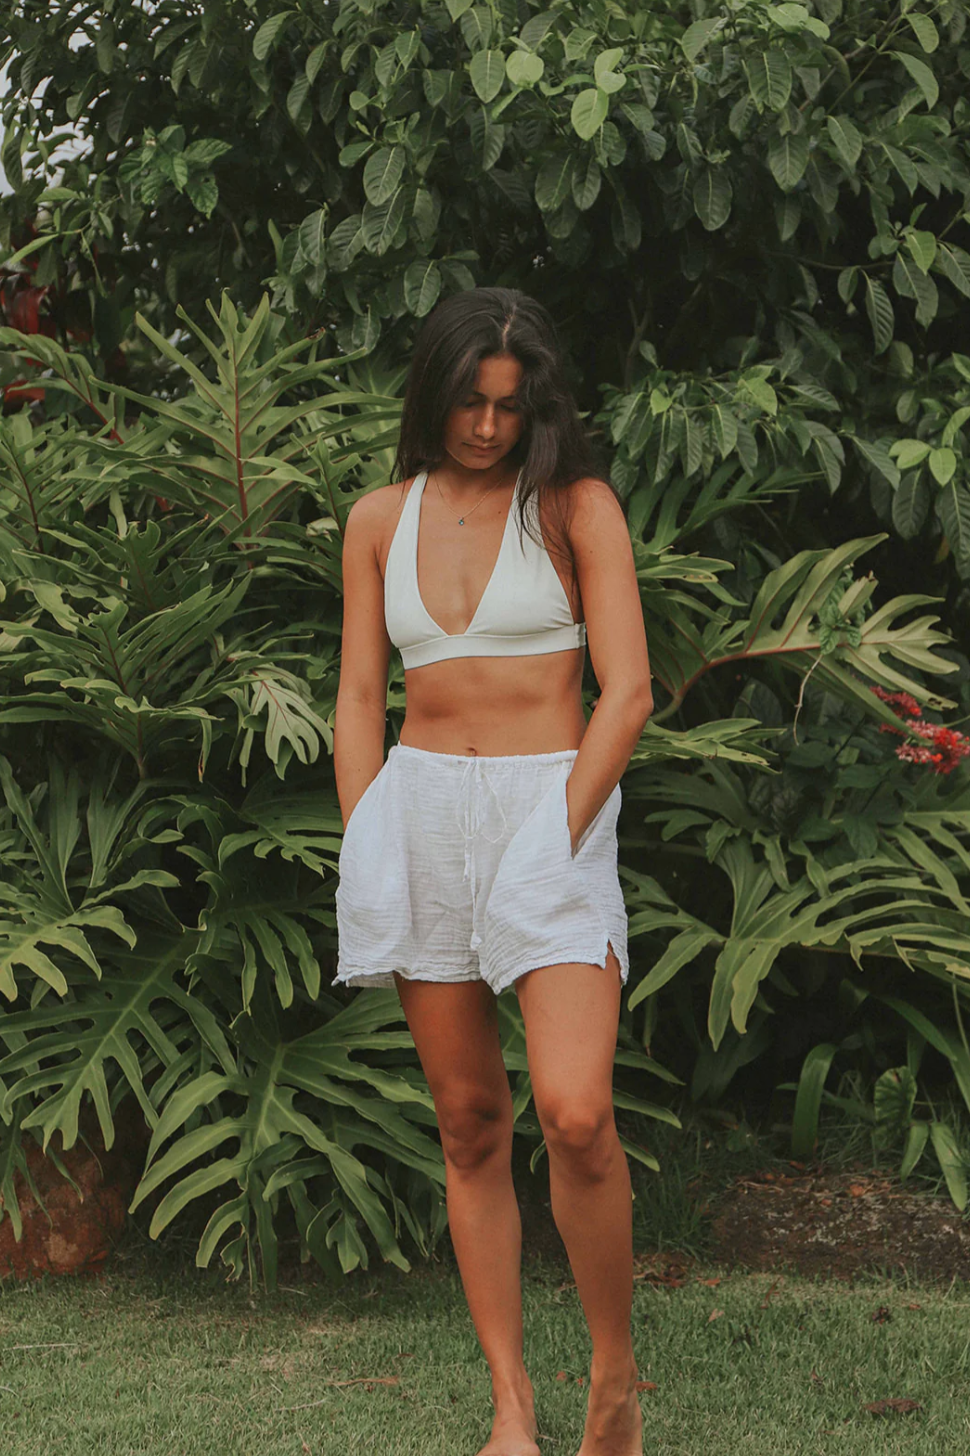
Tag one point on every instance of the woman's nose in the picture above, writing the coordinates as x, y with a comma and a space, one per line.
485, 424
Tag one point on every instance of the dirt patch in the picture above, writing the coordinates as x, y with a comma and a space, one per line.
838, 1225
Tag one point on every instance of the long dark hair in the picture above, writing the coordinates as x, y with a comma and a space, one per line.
553, 449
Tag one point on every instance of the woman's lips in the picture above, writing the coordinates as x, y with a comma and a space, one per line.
482, 449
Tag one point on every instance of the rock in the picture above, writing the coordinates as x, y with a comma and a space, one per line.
67, 1230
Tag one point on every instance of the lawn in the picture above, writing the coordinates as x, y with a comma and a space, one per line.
156, 1357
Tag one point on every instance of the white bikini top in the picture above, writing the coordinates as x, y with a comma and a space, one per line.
523, 609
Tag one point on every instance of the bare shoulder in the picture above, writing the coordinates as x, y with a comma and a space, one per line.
595, 513
373, 516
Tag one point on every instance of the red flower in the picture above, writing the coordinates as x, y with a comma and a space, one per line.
904, 701
948, 746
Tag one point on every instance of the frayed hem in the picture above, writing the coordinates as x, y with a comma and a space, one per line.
567, 955
384, 977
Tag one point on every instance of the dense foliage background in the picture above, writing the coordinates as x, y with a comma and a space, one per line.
751, 222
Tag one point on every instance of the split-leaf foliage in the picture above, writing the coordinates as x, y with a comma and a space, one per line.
751, 223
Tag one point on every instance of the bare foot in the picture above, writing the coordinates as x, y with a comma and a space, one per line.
613, 1421
514, 1426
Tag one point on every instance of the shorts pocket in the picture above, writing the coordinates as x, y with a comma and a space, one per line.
372, 897
537, 881
361, 804
547, 905
601, 831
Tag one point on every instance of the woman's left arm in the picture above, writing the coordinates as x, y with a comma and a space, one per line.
617, 644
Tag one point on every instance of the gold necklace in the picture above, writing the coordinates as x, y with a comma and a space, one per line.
461, 518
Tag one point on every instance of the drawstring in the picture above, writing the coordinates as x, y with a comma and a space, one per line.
471, 812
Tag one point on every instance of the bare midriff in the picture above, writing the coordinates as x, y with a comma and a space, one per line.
495, 706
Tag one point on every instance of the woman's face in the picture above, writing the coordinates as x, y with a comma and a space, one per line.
485, 425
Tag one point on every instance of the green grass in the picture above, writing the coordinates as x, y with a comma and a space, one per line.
151, 1358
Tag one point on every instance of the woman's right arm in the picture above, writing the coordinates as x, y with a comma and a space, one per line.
365, 649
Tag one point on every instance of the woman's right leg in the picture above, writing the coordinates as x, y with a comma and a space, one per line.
455, 1030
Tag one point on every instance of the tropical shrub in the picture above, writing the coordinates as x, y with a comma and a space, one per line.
750, 221
172, 827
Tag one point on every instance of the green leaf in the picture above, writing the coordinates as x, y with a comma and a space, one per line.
878, 456
788, 215
487, 70
476, 28
589, 111
683, 949
313, 237
298, 103
770, 79
952, 1162
793, 18
524, 68
922, 75
788, 158
554, 181
953, 509
922, 245
894, 1097
943, 464
955, 424
407, 46
586, 183
422, 285
383, 171
848, 281
699, 35
909, 453
924, 30
761, 392
380, 224
913, 1151
607, 79
712, 197
269, 33
846, 138
537, 27
725, 430
808, 1099
315, 61
954, 264
880, 312
205, 151
203, 193
457, 8
346, 241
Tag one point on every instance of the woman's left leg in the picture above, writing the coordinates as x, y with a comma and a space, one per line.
571, 1014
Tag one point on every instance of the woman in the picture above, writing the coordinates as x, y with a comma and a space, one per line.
482, 854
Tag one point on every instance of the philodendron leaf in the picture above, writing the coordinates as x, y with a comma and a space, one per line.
26, 945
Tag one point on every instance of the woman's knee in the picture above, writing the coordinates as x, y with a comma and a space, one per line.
475, 1127
579, 1134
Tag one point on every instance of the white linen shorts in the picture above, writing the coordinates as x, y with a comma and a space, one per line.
459, 868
